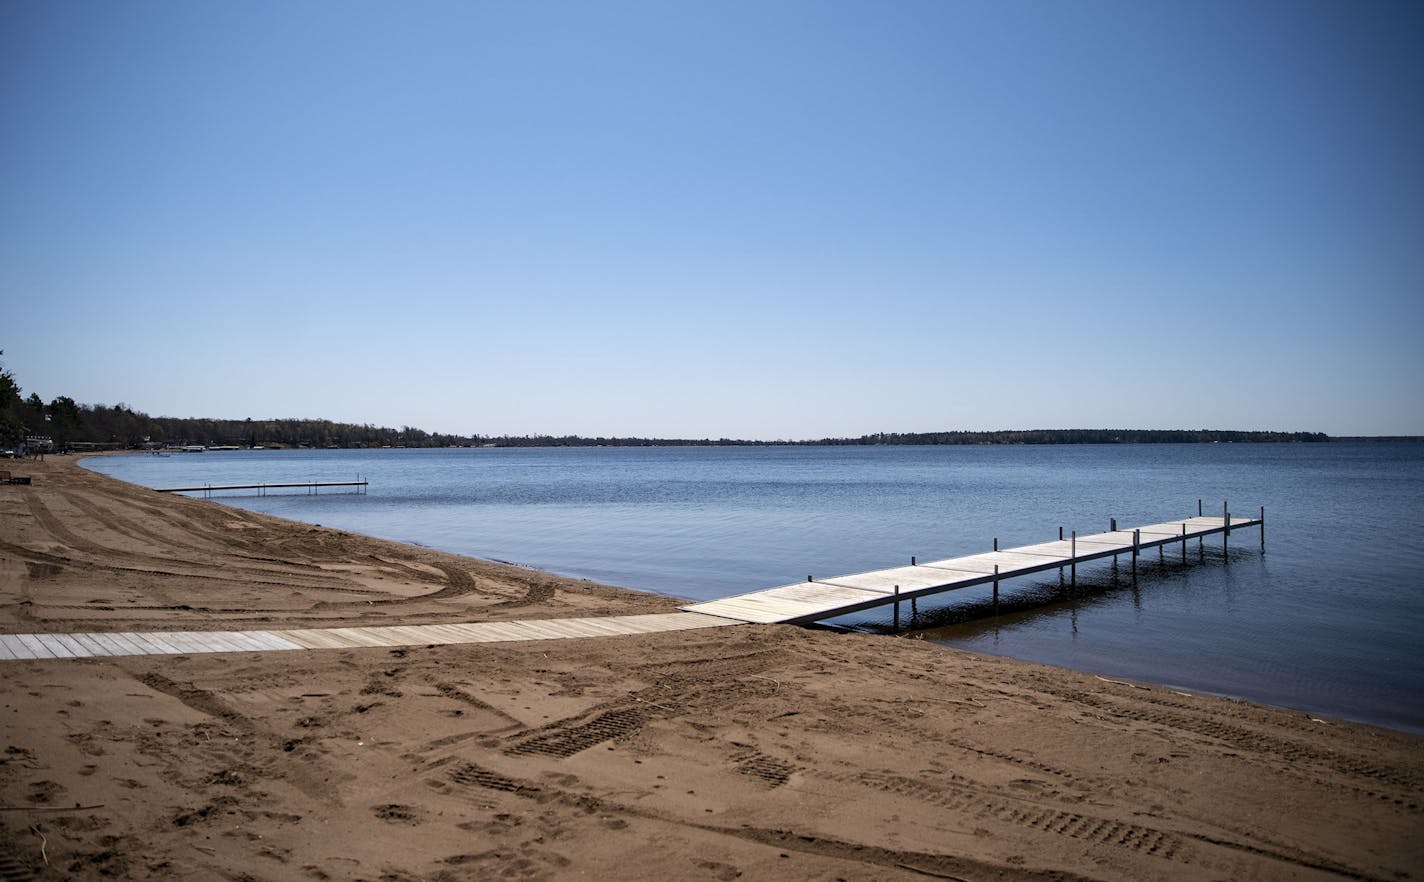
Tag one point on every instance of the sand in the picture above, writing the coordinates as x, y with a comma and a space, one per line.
751, 752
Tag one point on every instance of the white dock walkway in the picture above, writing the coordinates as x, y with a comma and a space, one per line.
817, 599
19, 647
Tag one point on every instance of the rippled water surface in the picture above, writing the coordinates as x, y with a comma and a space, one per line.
1328, 619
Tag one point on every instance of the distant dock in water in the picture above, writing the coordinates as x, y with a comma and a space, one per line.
311, 487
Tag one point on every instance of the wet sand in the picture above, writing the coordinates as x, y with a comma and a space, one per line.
752, 752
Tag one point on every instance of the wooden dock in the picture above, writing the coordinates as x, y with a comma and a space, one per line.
818, 599
310, 486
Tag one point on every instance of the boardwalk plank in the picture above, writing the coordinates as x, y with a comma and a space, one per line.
243, 640
165, 645
555, 628
96, 650
132, 643
186, 642
23, 649
36, 646
202, 642
449, 634
610, 627
153, 644
272, 642
368, 637
76, 649
55, 645
110, 646
314, 638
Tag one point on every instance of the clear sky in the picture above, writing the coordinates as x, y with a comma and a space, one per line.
741, 218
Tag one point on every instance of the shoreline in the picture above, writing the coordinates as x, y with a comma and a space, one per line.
748, 751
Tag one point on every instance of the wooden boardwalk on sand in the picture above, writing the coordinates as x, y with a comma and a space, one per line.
818, 599
17, 647
799, 603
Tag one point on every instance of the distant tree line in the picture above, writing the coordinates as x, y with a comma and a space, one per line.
1080, 436
601, 441
70, 424
1032, 436
296, 433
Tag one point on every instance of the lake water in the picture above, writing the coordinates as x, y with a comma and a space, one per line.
1329, 619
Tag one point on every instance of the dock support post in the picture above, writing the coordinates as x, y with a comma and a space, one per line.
1184, 542
1263, 529
1199, 508
1226, 524
996, 543
1074, 558
1112, 528
996, 589
1135, 539
912, 561
914, 610
897, 609
1060, 569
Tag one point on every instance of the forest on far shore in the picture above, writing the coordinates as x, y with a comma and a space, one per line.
71, 425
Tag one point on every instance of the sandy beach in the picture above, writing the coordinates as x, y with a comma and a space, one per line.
746, 752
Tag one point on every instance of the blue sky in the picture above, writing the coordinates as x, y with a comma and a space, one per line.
745, 219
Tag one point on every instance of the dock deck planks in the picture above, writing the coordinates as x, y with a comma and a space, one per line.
814, 600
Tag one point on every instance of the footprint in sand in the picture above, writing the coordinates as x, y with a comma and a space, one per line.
397, 814
43, 792
722, 872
